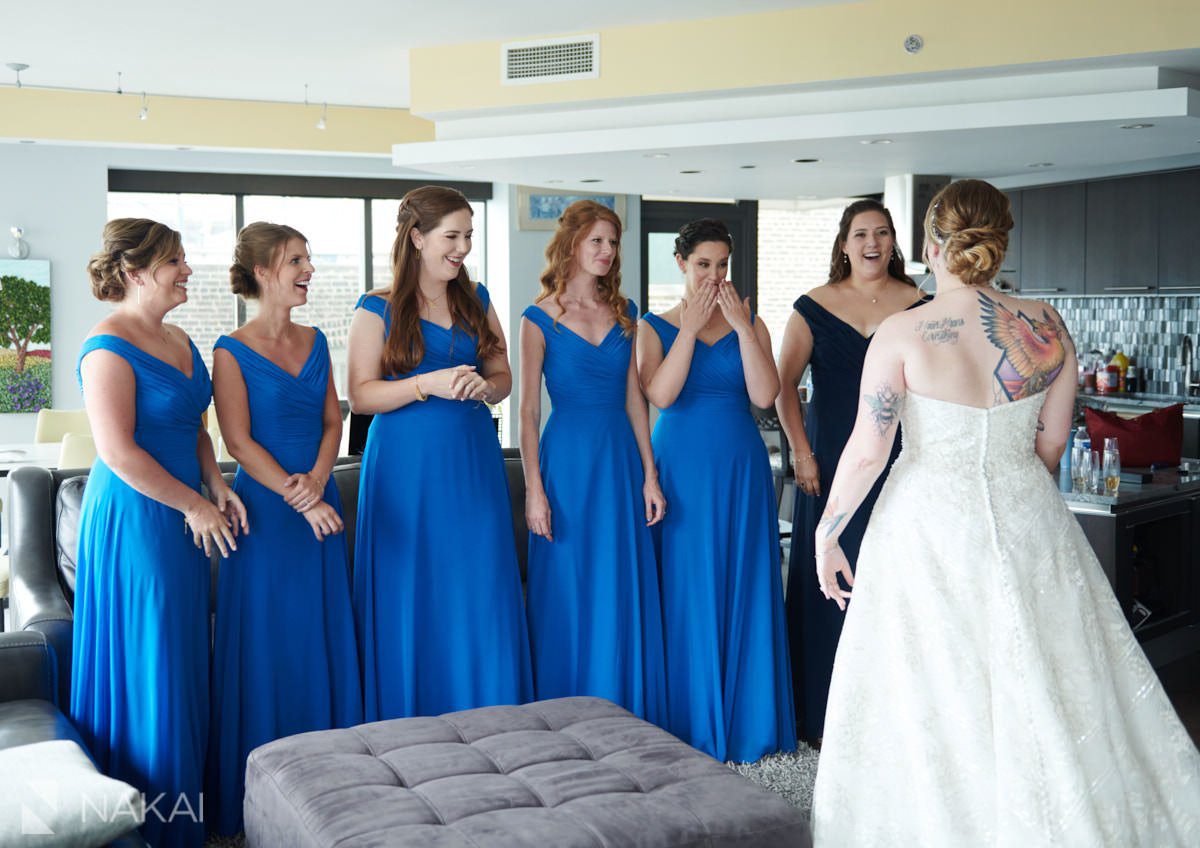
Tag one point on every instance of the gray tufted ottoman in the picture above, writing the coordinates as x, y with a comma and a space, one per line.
551, 774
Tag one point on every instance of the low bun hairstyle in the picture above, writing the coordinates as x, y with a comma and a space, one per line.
699, 231
970, 221
129, 244
258, 245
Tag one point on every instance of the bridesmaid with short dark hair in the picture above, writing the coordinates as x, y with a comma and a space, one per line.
702, 363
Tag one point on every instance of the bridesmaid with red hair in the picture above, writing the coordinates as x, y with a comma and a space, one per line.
592, 489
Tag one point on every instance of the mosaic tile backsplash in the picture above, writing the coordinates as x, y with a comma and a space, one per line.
1150, 329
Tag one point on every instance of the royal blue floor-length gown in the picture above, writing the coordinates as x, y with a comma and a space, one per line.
284, 657
814, 623
437, 591
594, 611
729, 689
139, 675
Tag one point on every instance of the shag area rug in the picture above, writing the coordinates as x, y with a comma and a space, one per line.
789, 775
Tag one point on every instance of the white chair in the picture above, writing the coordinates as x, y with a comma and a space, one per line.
78, 451
53, 424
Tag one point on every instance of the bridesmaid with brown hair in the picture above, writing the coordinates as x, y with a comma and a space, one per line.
437, 593
830, 330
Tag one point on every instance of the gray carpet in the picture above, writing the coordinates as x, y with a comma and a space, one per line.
790, 775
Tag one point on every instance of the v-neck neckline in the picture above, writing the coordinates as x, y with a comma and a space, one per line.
577, 334
307, 360
191, 350
850, 326
698, 339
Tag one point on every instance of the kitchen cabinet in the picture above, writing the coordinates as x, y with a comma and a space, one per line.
1178, 227
1010, 269
1053, 222
1122, 235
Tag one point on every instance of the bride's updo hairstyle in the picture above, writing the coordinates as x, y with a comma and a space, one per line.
970, 221
130, 244
258, 245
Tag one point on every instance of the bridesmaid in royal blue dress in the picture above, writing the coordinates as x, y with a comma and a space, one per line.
437, 593
591, 487
702, 362
139, 675
284, 657
830, 330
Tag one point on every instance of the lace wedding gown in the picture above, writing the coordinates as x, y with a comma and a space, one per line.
987, 689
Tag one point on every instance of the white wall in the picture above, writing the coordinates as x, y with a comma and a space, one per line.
521, 261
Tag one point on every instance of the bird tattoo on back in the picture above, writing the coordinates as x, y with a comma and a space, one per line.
1032, 349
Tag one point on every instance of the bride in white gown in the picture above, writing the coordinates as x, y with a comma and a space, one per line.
987, 689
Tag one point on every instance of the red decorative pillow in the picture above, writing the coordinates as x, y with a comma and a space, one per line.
1156, 437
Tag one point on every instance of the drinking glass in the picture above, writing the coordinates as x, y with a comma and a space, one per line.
1112, 468
1097, 478
1081, 469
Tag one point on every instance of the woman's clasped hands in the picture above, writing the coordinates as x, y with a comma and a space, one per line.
215, 522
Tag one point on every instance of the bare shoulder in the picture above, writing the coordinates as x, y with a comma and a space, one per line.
824, 294
550, 306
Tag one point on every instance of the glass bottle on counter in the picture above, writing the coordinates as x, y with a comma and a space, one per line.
1133, 382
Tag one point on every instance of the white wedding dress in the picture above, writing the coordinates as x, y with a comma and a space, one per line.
987, 689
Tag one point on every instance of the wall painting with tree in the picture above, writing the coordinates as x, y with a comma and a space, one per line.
24, 335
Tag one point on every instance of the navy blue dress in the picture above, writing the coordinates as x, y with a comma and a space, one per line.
728, 686
437, 590
814, 623
595, 618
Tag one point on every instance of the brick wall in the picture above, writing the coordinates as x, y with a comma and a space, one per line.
793, 257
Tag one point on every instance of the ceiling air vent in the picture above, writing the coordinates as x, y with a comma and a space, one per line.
550, 60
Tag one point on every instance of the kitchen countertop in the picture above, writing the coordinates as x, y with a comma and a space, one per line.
1165, 485
1144, 398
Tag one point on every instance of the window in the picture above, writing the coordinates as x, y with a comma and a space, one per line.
350, 224
207, 224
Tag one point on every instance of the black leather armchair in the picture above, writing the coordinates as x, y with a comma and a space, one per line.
28, 683
43, 517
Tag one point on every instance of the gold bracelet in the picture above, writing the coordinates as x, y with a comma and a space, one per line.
421, 396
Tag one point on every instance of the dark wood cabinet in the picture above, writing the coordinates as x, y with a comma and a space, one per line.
1122, 235
1010, 270
1053, 220
1178, 229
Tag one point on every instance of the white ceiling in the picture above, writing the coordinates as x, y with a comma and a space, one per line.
353, 52
994, 127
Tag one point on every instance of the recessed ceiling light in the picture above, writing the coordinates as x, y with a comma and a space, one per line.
656, 155
183, 148
804, 161
1040, 165
747, 167
552, 182
691, 172
592, 180
467, 167
806, 197
1136, 126
875, 141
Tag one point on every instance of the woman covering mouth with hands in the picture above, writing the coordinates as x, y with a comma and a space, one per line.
702, 363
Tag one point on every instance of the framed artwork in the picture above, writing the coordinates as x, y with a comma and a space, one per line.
24, 335
540, 208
